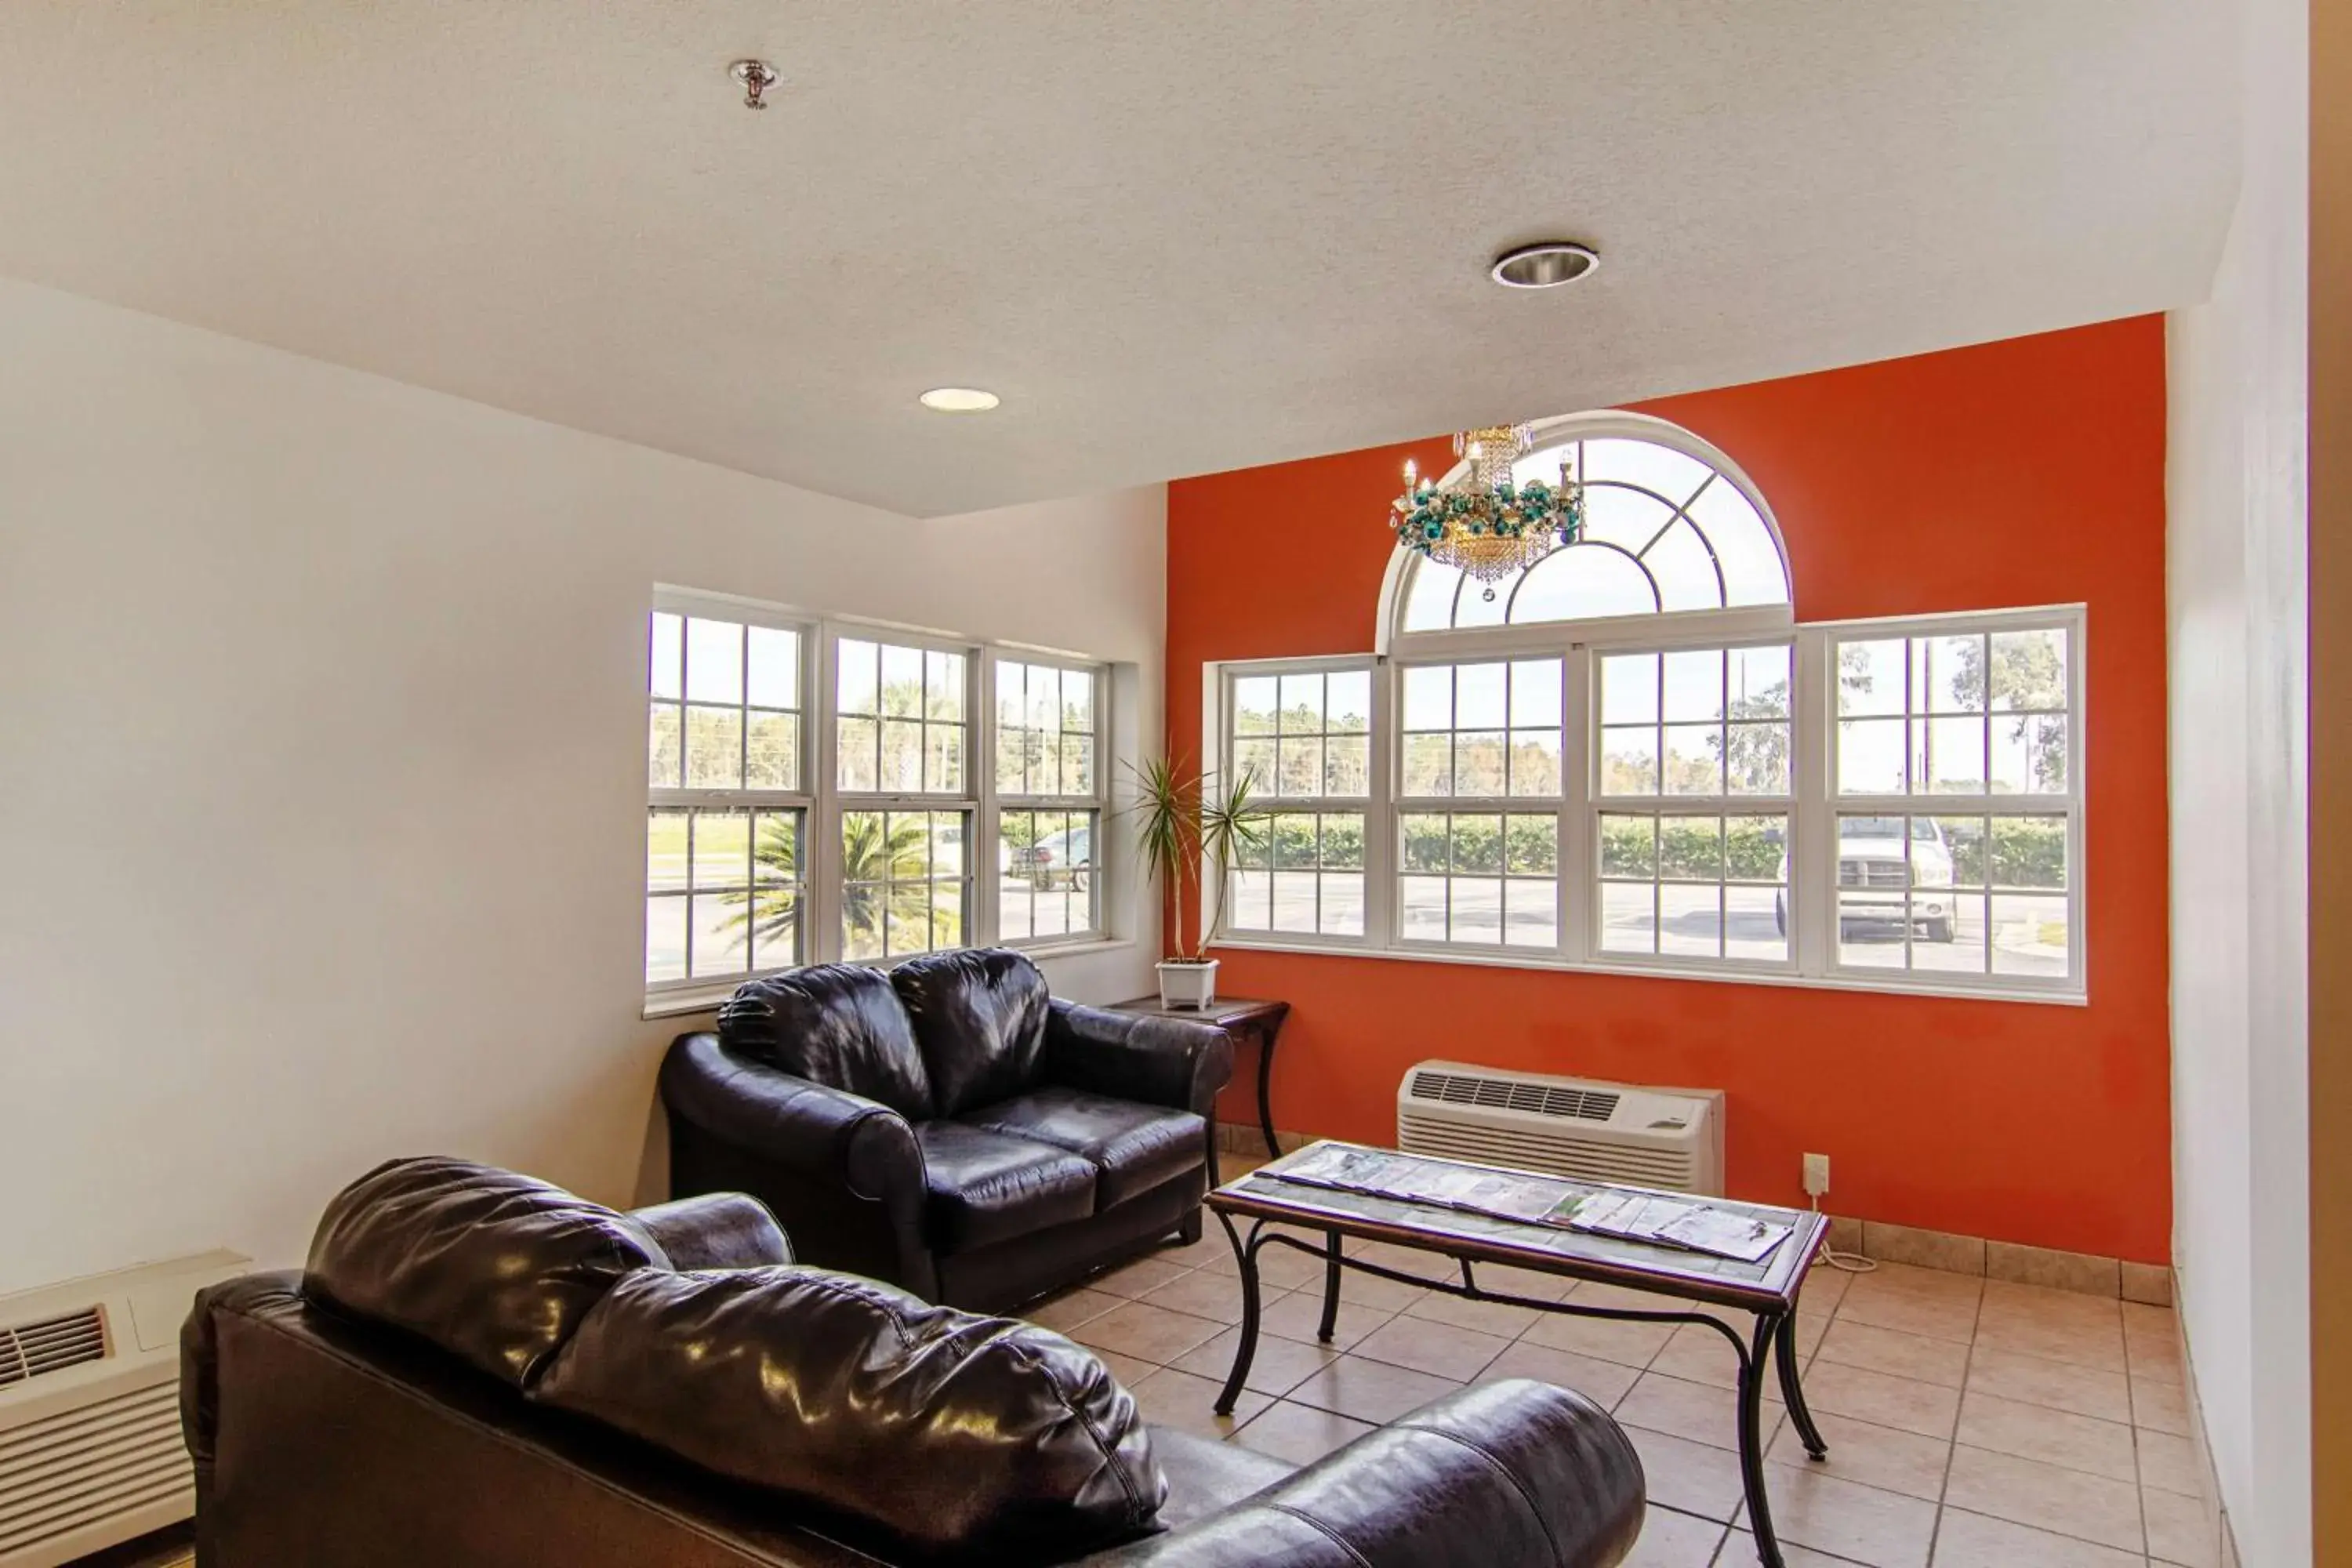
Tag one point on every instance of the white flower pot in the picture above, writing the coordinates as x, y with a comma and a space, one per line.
1188, 985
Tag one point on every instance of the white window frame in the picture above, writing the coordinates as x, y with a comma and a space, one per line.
1098, 803
1812, 804
1379, 859
823, 803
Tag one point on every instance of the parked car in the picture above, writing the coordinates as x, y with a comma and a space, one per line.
1873, 877
1063, 859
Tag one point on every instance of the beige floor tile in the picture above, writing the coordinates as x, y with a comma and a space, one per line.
1671, 1540
1861, 1524
1139, 1277
2180, 1531
1912, 1281
1903, 1403
1700, 1355
1130, 1370
2056, 1384
2168, 1463
1147, 1333
1068, 1310
1299, 1315
2052, 1339
1695, 1410
1870, 1456
1217, 1297
1299, 1433
2152, 1339
2005, 1302
1187, 1403
2160, 1407
1899, 1355
1371, 1290
1632, 1343
1603, 1382
1370, 1390
1507, 1279
1934, 1316
2050, 1436
1966, 1539
2065, 1503
1277, 1366
1278, 1267
1483, 1317
1695, 1477
1824, 1287
1738, 1551
1440, 1349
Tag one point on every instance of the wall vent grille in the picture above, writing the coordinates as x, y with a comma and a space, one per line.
1515, 1094
83, 1465
53, 1344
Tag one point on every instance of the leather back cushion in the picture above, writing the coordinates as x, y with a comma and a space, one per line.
958, 1434
496, 1268
980, 1017
840, 1025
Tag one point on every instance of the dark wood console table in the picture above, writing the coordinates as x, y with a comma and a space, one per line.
1241, 1018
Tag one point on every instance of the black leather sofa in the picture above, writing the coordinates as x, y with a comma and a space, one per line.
476, 1370
948, 1126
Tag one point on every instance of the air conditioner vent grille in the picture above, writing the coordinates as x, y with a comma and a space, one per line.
53, 1344
1508, 1094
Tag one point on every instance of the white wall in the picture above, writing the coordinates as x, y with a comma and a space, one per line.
320, 728
2236, 564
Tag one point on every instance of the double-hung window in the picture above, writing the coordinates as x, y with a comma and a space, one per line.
1301, 736
821, 791
1631, 756
1049, 793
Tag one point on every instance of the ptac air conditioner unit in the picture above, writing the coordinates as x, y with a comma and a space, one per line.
89, 1410
1574, 1127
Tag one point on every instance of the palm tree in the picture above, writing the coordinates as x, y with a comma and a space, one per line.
884, 864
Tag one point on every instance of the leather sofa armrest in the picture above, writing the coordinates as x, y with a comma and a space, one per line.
716, 1230
1179, 1063
1505, 1475
827, 1135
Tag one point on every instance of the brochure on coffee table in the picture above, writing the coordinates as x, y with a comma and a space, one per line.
1528, 1198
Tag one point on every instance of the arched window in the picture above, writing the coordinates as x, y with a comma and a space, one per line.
1671, 526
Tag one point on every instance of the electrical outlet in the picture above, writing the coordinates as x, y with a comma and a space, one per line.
1817, 1175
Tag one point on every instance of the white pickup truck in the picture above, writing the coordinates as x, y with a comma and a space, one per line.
1873, 877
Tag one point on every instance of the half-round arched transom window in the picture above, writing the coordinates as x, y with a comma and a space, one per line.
1670, 527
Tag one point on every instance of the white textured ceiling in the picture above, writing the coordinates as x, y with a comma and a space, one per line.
1175, 236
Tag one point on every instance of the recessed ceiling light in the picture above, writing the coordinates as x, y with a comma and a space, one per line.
960, 400
1547, 264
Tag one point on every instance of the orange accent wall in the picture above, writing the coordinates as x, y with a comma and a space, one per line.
2024, 472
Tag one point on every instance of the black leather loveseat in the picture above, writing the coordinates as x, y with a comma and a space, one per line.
948, 1126
476, 1370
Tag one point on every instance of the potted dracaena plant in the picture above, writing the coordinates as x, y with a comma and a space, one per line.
1186, 820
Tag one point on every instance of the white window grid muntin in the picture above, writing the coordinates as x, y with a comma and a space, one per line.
823, 805
1219, 746
1094, 804
1550, 436
1810, 811
2073, 621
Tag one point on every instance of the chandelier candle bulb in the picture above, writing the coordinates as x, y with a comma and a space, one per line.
1489, 526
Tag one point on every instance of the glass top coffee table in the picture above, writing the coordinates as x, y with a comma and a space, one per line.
1275, 1209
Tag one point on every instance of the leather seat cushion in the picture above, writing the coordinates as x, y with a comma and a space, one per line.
494, 1267
1132, 1148
981, 1438
982, 1187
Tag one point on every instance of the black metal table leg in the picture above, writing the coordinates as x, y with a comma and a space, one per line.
1751, 1437
1330, 1287
1246, 1351
1265, 1091
1792, 1393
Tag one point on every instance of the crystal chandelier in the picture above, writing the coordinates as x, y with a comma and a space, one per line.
1485, 526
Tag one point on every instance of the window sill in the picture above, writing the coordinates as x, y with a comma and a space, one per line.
689, 1001
1872, 985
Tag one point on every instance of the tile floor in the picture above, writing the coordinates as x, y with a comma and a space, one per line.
1971, 1423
